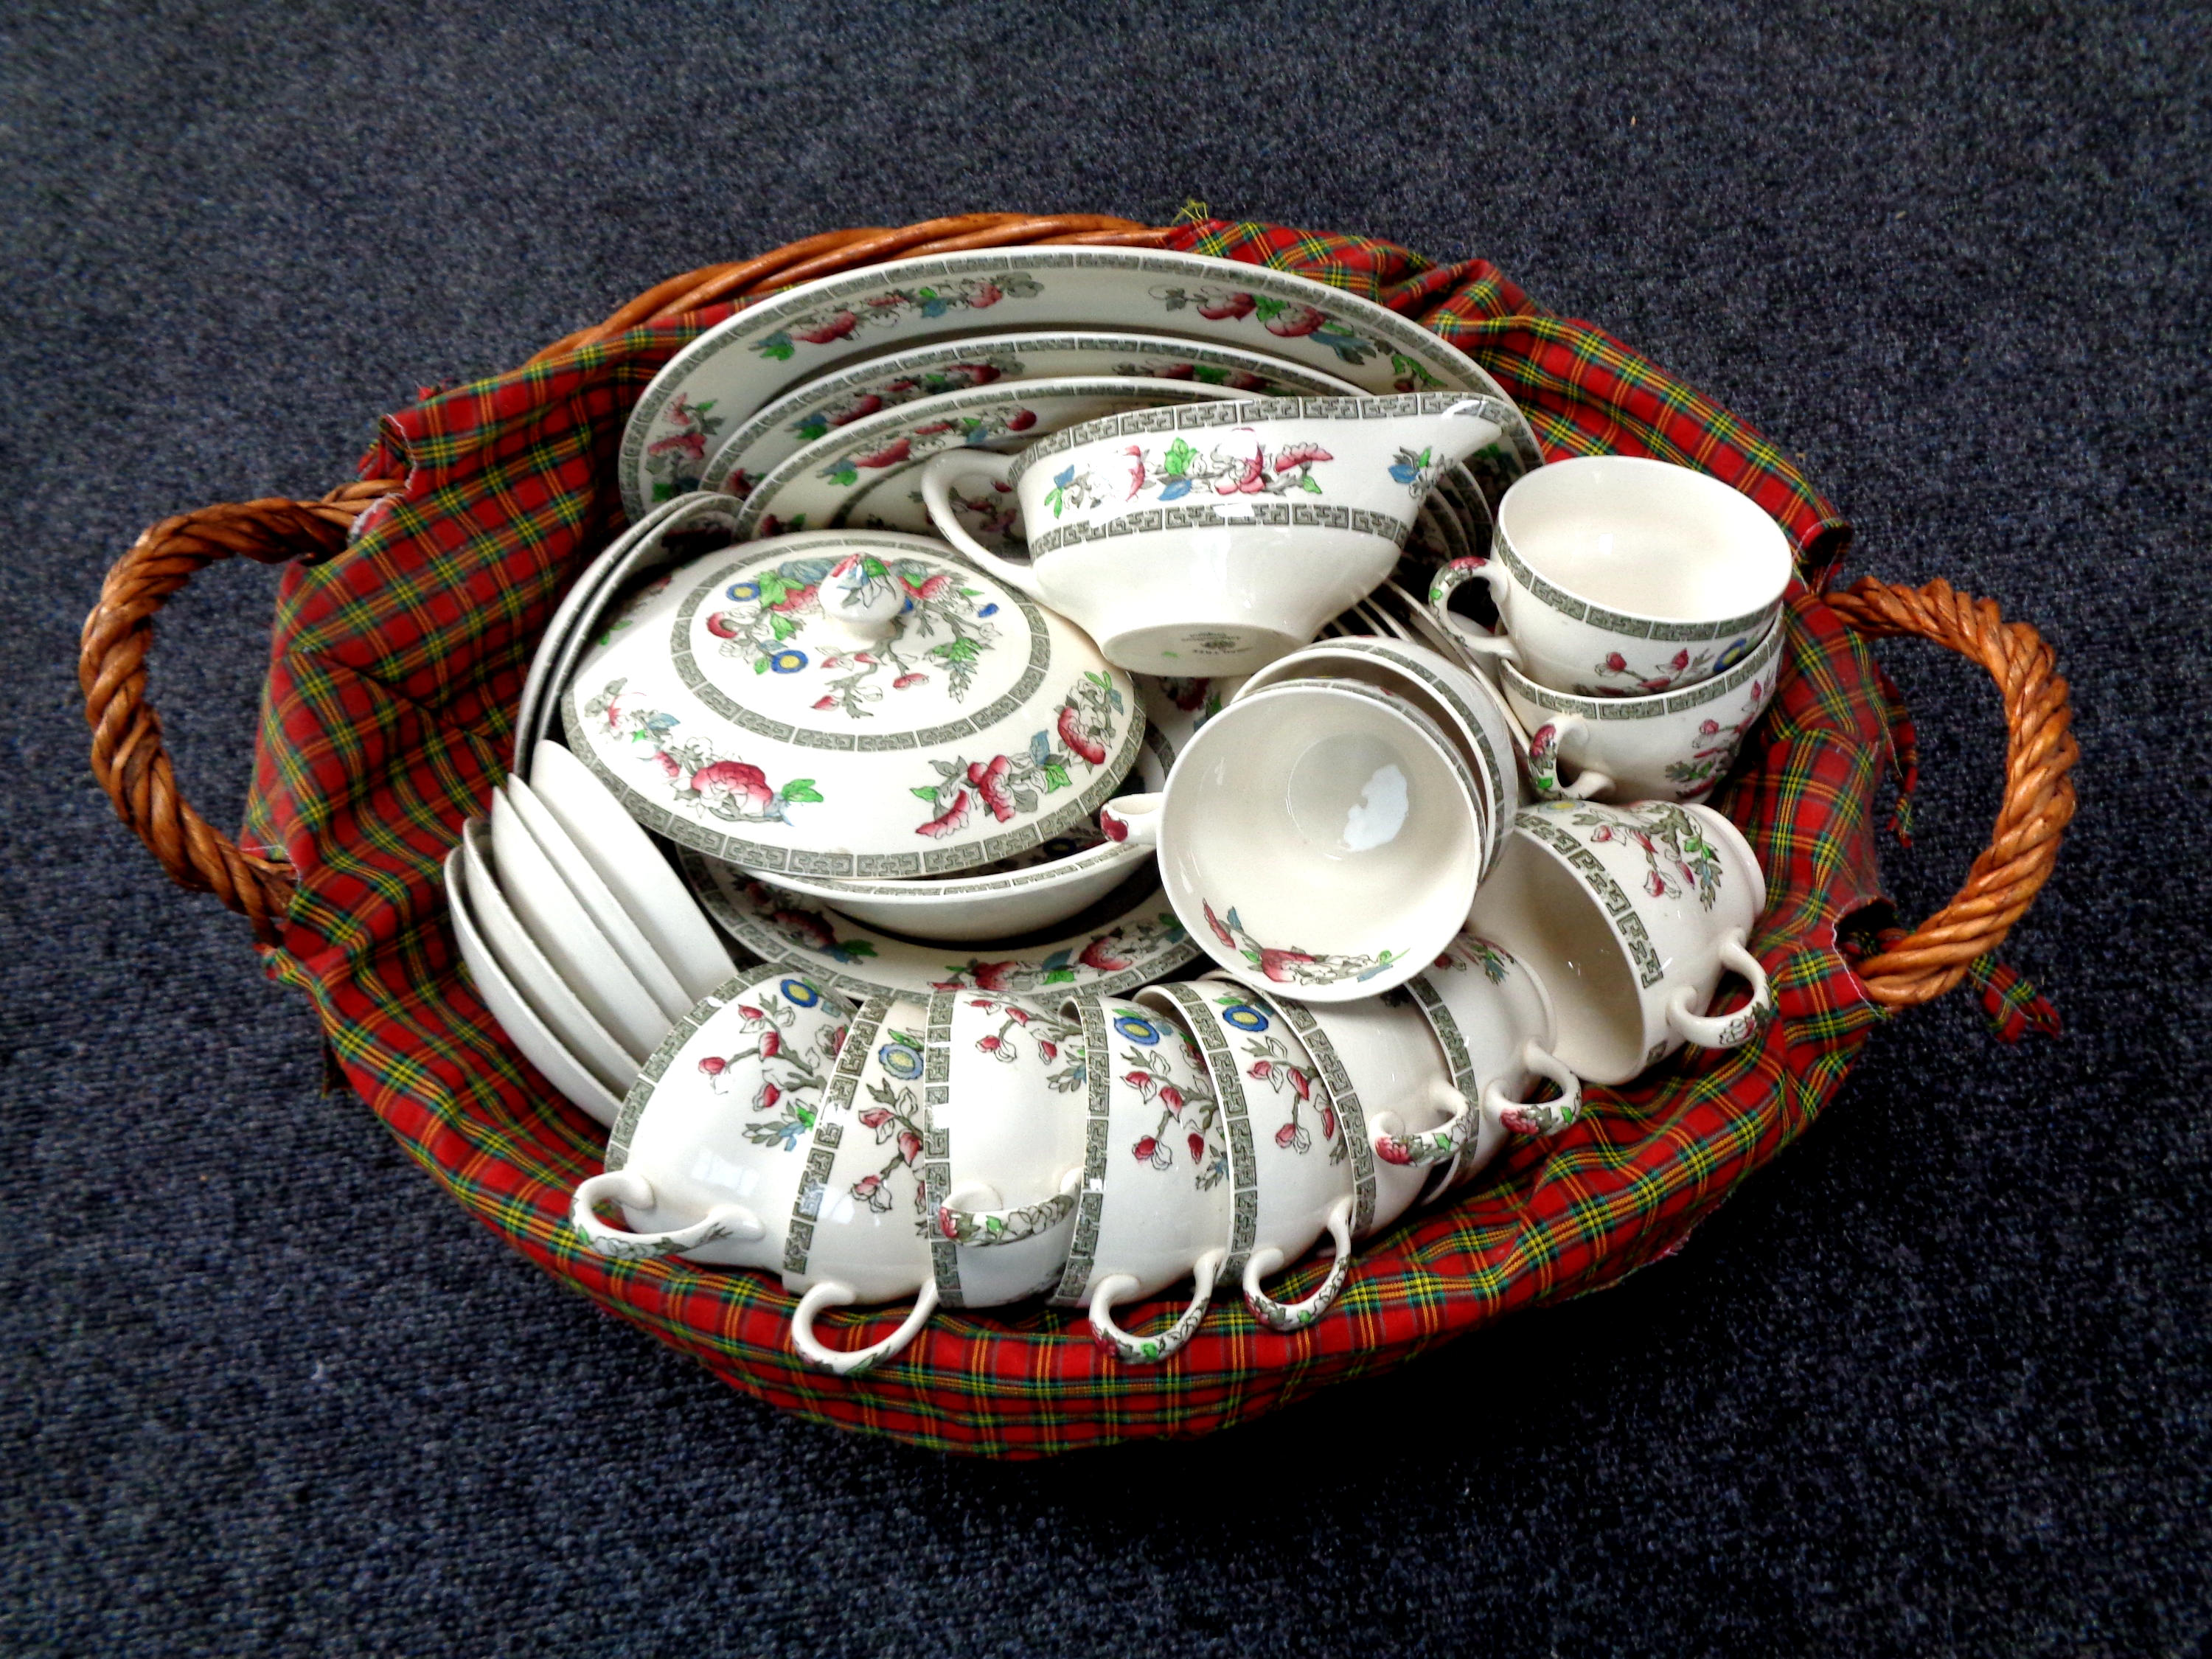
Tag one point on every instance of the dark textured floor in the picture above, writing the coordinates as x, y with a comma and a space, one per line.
1937, 1382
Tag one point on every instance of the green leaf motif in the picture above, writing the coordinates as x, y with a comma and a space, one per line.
1176, 462
1310, 485
845, 477
781, 626
929, 795
1055, 777
801, 789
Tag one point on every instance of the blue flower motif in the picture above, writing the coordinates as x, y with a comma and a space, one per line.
788, 661
1404, 474
1176, 490
1137, 1029
1245, 1018
1063, 478
743, 590
1734, 654
899, 1061
989, 611
799, 993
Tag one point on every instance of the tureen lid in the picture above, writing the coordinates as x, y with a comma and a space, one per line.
852, 703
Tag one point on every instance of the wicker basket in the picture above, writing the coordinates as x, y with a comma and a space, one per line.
497, 1137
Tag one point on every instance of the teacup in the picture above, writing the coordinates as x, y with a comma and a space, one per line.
1006, 1121
1322, 838
1463, 705
1387, 1076
1674, 746
1210, 539
1155, 1202
1618, 576
1629, 915
723, 1150
1493, 1019
1291, 1179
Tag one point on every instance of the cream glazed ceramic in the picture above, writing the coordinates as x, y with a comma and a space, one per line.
1004, 1087
1128, 939
1461, 704
1322, 838
1175, 709
998, 902
625, 858
857, 1230
861, 705
856, 472
1629, 915
813, 411
1676, 745
717, 382
664, 535
1154, 1205
1290, 1161
1214, 539
530, 1033
1616, 575
1388, 1077
1494, 1020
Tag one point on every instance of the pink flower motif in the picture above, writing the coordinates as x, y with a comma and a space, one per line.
837, 328
1072, 734
692, 446
1141, 1082
771, 1044
1099, 954
1301, 1082
1300, 455
1656, 885
906, 680
889, 455
1391, 1150
875, 1117
1520, 1120
1147, 1151
992, 975
751, 1015
871, 1190
1615, 662
1293, 1137
1295, 322
1280, 965
770, 1094
1019, 1016
1197, 1143
1263, 1069
909, 1145
1049, 1049
1171, 1097
825, 703
1250, 481
736, 779
1021, 420
714, 1065
952, 818
995, 1047
1328, 1123
1227, 304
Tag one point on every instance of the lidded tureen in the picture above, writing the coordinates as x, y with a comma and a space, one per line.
851, 703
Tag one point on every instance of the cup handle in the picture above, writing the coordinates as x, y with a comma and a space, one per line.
623, 1186
1730, 1030
1447, 1140
853, 1361
1544, 746
1541, 1117
1151, 1350
1470, 638
1288, 1316
982, 1228
937, 475
1133, 818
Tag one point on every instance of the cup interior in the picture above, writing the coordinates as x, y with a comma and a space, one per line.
1534, 907
1646, 538
1327, 821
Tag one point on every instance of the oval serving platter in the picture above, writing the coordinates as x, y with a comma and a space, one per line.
748, 360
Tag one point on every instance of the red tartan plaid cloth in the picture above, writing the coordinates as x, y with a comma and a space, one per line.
394, 677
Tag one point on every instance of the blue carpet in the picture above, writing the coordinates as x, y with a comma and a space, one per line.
1937, 1382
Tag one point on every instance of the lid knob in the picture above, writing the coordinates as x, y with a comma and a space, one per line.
863, 597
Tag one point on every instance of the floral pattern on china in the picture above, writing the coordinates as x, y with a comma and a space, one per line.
1287, 964
1010, 786
1291, 320
1617, 677
1188, 1112
731, 789
1297, 1086
1170, 474
895, 1117
1677, 855
789, 1099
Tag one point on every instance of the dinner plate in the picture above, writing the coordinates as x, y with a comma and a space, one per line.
608, 913
524, 1029
558, 925
870, 460
630, 864
721, 379
577, 1029
813, 411
663, 536
1129, 939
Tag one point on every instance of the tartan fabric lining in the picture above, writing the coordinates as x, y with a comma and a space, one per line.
392, 683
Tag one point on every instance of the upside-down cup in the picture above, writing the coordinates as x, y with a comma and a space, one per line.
1290, 1161
1629, 915
1007, 1113
1494, 1020
1154, 1200
717, 1144
1320, 838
